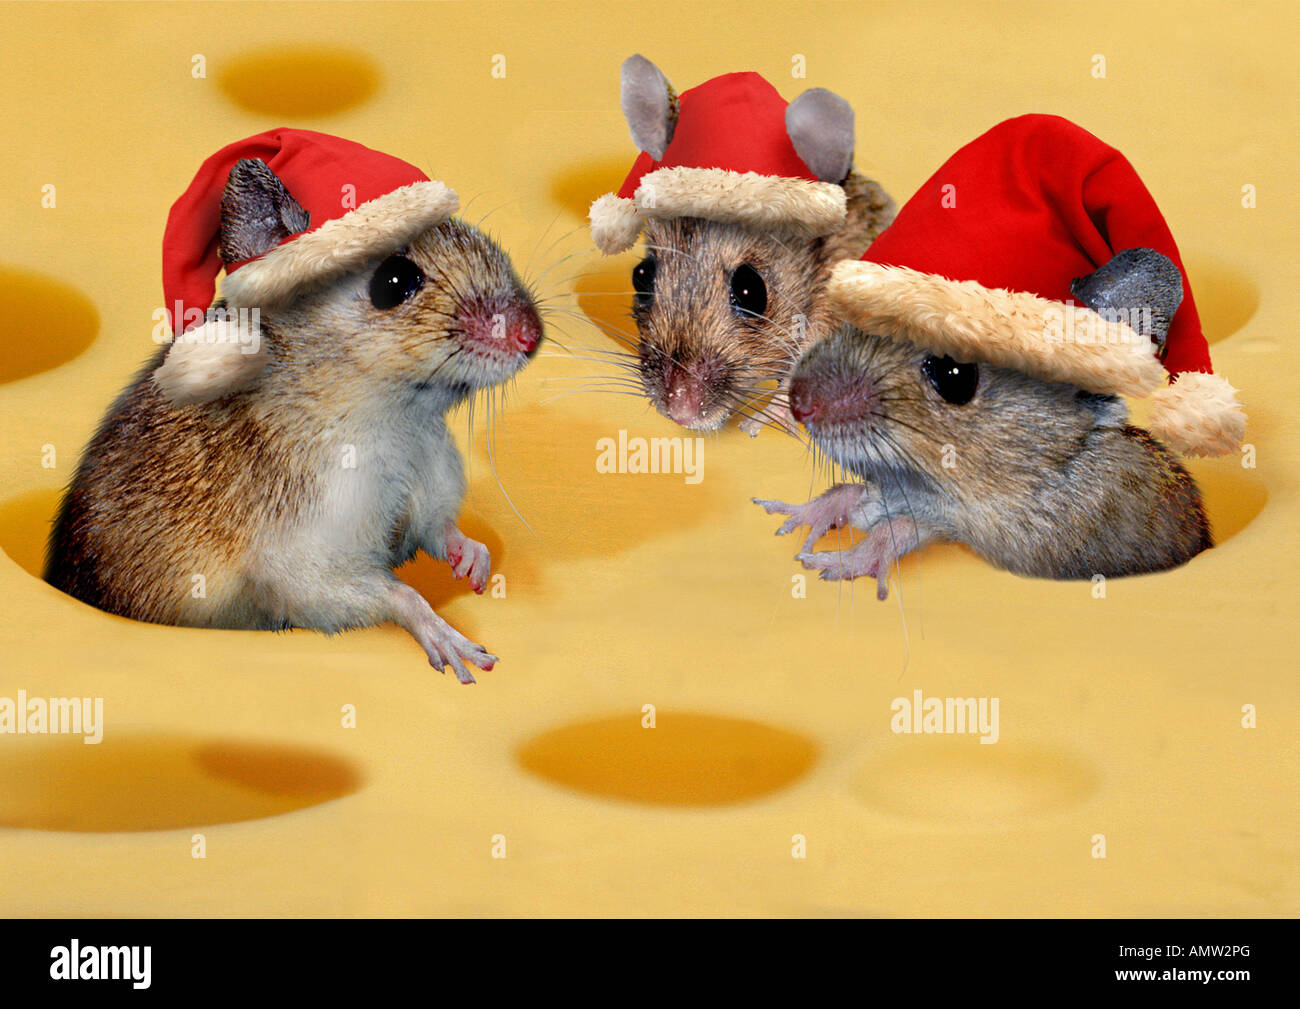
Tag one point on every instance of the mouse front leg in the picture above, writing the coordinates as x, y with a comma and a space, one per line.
843, 505
888, 538
886, 542
468, 558
775, 413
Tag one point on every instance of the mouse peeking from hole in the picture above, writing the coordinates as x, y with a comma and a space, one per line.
288, 448
745, 201
978, 403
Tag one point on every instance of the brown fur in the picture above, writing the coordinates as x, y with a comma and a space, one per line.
164, 492
689, 322
1039, 478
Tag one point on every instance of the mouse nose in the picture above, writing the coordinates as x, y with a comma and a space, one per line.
513, 327
683, 395
803, 404
523, 327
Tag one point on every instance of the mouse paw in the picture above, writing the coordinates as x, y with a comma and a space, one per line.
773, 415
873, 556
468, 558
446, 646
831, 510
443, 644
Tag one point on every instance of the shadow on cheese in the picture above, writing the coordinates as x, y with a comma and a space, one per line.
160, 781
299, 81
47, 323
687, 759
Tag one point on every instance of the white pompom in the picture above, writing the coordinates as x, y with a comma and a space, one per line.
1198, 415
614, 224
208, 362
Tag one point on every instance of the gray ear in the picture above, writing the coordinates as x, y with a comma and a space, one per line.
257, 212
649, 105
1139, 286
820, 125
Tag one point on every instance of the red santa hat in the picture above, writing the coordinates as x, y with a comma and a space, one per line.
362, 203
979, 265
728, 150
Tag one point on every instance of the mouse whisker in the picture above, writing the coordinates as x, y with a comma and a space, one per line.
479, 223
561, 261
568, 234
540, 238
492, 464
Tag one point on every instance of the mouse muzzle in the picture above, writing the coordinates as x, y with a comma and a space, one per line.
498, 333
692, 394
820, 401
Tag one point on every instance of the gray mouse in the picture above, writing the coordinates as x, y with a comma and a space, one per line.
729, 291
1040, 478
285, 497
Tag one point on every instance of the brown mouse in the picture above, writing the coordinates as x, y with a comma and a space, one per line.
285, 496
737, 252
1041, 478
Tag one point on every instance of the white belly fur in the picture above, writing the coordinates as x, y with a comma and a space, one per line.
372, 482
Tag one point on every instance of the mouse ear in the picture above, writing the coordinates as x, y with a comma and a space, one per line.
220, 357
649, 105
820, 125
1139, 286
257, 212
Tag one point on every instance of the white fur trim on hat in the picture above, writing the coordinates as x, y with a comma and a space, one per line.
614, 224
210, 361
340, 246
1198, 414
1051, 340
783, 206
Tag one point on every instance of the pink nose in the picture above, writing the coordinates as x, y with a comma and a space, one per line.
523, 328
803, 404
513, 327
684, 398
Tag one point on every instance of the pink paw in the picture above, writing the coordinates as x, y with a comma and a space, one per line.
831, 510
873, 556
775, 415
468, 559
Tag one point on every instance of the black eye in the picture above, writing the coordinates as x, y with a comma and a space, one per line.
396, 280
748, 292
955, 382
643, 280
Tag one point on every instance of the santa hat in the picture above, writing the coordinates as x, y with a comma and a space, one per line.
731, 150
361, 203
981, 265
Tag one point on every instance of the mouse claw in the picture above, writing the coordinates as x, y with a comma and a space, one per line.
781, 508
468, 558
883, 546
443, 644
833, 509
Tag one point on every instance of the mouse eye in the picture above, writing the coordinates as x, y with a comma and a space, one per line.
396, 280
643, 279
748, 292
956, 383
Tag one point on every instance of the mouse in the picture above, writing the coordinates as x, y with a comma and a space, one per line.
744, 202
279, 489
1039, 478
